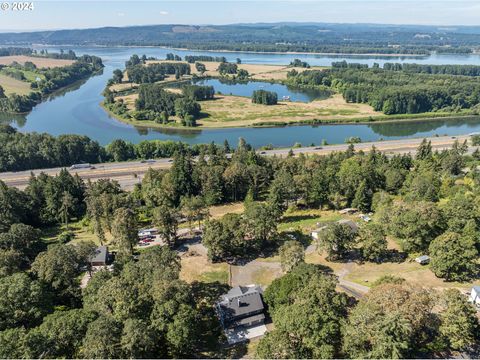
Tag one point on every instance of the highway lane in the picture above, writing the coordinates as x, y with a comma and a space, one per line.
130, 173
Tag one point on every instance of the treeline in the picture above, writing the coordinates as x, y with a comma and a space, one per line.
24, 151
194, 58
56, 78
140, 73
199, 92
264, 97
464, 70
408, 89
11, 51
53, 79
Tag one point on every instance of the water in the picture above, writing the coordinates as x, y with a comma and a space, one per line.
246, 88
77, 111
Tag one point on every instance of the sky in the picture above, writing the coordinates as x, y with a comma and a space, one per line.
70, 14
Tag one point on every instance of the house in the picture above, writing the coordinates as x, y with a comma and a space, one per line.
316, 233
100, 257
423, 260
241, 313
353, 225
475, 296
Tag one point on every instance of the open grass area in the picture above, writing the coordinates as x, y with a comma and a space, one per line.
256, 71
40, 62
198, 268
306, 220
238, 111
11, 85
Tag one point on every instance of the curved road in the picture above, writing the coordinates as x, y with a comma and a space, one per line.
130, 173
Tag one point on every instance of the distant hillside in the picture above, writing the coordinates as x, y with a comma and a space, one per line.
335, 38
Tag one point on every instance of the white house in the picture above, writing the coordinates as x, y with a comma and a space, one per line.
475, 295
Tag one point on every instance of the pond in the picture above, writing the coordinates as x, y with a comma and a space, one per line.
246, 88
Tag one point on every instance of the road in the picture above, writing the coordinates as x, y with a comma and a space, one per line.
130, 173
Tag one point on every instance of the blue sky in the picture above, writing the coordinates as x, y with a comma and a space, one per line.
67, 14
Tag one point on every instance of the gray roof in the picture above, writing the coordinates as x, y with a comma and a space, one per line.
422, 258
350, 223
477, 289
241, 301
100, 255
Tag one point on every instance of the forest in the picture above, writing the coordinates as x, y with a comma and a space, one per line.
142, 309
397, 88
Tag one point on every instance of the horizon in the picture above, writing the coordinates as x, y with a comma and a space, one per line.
49, 16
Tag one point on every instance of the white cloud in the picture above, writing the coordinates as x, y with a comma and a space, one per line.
121, 14
163, 12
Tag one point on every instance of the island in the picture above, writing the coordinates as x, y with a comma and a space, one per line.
172, 92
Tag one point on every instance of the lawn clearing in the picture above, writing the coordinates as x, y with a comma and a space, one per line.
221, 210
40, 62
237, 111
306, 220
199, 268
11, 85
256, 71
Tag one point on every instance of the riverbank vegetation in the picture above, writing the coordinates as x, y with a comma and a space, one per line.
16, 77
418, 201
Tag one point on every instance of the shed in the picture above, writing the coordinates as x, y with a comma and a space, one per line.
100, 257
475, 295
423, 260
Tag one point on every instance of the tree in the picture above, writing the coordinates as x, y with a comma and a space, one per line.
260, 224
23, 301
373, 242
24, 240
459, 323
66, 205
310, 327
120, 150
185, 107
138, 340
193, 208
363, 197
225, 238
60, 335
125, 230
291, 254
424, 151
117, 76
392, 321
102, 339
60, 267
415, 224
336, 239
453, 257
165, 218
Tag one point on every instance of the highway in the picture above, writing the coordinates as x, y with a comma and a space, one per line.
130, 173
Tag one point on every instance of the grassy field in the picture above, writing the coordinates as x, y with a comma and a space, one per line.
38, 61
198, 268
11, 85
237, 111
256, 71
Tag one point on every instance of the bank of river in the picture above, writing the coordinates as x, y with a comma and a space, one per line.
79, 111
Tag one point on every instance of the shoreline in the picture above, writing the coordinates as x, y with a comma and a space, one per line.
240, 51
325, 122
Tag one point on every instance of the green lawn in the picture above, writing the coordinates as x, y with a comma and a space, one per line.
305, 220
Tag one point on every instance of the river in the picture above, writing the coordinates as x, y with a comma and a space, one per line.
77, 110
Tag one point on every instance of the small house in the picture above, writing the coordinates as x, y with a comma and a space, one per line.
475, 295
100, 257
423, 260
